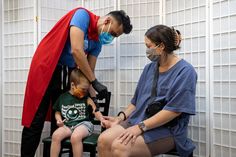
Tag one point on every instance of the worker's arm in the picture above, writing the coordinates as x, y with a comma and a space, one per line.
77, 48
92, 60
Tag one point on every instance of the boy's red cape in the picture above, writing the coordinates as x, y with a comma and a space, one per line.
45, 60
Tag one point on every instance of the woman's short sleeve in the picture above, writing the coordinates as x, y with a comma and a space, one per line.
181, 95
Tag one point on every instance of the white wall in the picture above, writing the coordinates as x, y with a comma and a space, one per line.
192, 19
209, 32
223, 76
106, 64
21, 37
1, 20
18, 45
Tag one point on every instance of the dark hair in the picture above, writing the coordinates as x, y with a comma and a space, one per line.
122, 18
170, 37
76, 76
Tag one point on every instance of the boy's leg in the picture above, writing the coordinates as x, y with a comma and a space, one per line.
77, 136
59, 134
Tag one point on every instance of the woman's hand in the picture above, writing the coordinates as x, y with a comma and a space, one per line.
130, 134
111, 121
60, 123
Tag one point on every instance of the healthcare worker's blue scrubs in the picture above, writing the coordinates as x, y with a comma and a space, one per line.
177, 86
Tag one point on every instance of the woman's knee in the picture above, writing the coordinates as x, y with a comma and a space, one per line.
103, 140
107, 137
119, 149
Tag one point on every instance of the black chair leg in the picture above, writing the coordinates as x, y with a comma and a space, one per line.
191, 155
70, 153
46, 150
93, 153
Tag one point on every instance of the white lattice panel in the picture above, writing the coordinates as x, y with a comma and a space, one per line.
18, 37
106, 63
189, 17
132, 56
1, 50
209, 32
224, 78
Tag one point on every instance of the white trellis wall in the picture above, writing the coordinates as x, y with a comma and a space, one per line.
209, 32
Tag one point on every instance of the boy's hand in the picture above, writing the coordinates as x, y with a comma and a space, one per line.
105, 123
60, 123
110, 121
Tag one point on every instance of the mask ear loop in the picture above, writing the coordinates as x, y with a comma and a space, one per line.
109, 27
157, 46
102, 29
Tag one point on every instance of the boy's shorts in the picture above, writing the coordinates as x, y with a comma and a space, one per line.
87, 124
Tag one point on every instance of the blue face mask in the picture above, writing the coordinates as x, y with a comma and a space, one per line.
105, 37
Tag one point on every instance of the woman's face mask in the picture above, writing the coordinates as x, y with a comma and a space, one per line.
105, 37
151, 53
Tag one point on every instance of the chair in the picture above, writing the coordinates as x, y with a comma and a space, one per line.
89, 143
174, 152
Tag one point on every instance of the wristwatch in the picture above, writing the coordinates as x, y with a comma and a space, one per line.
142, 126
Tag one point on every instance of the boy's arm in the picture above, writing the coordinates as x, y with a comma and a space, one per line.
59, 120
58, 116
97, 114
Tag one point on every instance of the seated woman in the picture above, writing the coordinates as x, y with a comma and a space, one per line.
133, 132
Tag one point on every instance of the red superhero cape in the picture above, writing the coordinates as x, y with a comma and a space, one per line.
45, 60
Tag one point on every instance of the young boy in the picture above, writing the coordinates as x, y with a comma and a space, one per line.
72, 115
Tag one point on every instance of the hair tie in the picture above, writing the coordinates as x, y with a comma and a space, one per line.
177, 37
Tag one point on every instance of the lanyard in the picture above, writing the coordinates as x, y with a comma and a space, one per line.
155, 81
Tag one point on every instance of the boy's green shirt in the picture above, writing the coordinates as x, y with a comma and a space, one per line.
73, 109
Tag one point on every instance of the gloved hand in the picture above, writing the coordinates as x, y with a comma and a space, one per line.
100, 88
96, 103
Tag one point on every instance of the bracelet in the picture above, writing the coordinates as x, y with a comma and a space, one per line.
121, 112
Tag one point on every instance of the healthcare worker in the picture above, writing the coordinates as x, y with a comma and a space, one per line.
74, 42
